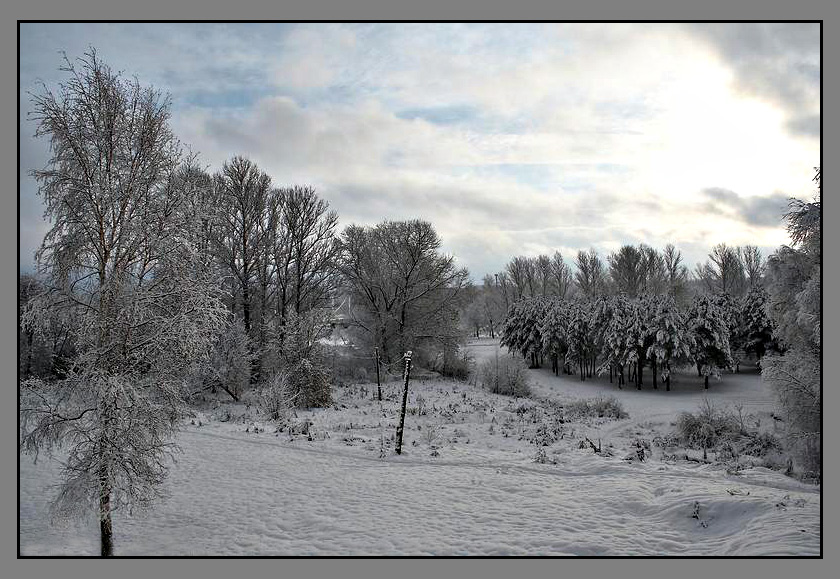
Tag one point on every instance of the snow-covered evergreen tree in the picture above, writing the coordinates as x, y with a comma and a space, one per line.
709, 331
617, 344
552, 329
579, 332
640, 334
521, 330
671, 340
730, 308
756, 328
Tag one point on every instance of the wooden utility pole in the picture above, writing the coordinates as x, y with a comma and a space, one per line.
378, 385
407, 357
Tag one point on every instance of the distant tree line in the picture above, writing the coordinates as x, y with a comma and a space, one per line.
619, 334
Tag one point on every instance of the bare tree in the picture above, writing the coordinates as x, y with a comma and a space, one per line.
503, 283
242, 191
542, 268
627, 270
727, 269
704, 274
754, 264
653, 270
561, 274
494, 306
118, 259
520, 274
676, 273
405, 290
590, 275
310, 227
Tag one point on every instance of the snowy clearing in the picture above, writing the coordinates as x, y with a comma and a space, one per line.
466, 484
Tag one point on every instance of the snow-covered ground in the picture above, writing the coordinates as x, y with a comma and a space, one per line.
466, 483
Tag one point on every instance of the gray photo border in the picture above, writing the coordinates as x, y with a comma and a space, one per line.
383, 10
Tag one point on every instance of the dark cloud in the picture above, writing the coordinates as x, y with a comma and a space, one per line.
758, 211
779, 62
805, 126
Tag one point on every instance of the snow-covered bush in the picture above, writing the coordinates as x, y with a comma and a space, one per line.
230, 361
276, 399
601, 407
761, 445
708, 428
301, 359
309, 383
455, 365
505, 375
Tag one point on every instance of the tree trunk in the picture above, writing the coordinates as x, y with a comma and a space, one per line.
706, 382
105, 529
668, 378
28, 367
246, 309
378, 384
640, 374
404, 400
653, 370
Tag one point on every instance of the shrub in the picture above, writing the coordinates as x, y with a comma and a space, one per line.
706, 429
760, 445
276, 399
454, 366
600, 407
302, 359
309, 384
230, 361
505, 375
350, 367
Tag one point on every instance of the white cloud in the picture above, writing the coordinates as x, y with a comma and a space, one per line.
556, 136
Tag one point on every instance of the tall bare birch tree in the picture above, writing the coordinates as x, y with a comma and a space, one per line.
120, 260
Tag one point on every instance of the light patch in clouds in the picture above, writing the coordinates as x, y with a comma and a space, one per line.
776, 62
510, 139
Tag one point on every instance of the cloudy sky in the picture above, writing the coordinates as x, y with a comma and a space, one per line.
510, 138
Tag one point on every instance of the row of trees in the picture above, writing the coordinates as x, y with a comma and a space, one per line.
274, 252
159, 279
619, 333
632, 271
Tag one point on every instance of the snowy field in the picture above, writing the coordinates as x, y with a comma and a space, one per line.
467, 482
